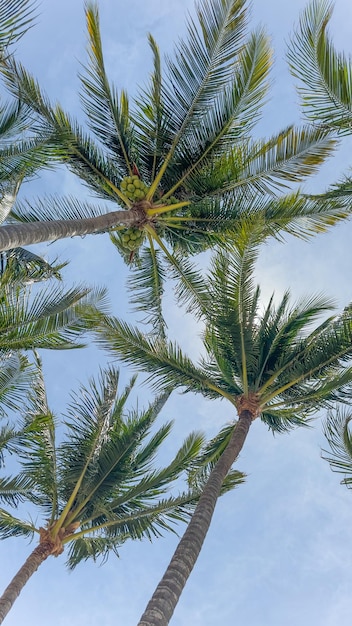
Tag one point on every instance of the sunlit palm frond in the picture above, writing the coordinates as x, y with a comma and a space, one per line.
271, 165
38, 448
108, 113
233, 112
204, 60
153, 133
8, 199
325, 73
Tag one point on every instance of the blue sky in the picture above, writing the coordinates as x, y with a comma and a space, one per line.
279, 549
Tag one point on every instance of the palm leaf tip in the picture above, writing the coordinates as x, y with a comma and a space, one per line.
16, 17
325, 75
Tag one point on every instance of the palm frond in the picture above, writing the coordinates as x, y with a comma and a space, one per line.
38, 447
16, 377
338, 434
22, 266
146, 284
107, 113
15, 490
16, 17
228, 120
202, 63
7, 201
65, 137
205, 59
167, 365
326, 74
191, 289
54, 318
11, 526
153, 134
198, 474
266, 167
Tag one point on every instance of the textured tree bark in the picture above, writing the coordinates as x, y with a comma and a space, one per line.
13, 590
164, 600
25, 234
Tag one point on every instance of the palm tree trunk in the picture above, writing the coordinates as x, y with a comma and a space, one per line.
11, 593
25, 234
164, 600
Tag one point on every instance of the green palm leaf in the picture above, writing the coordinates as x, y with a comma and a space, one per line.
53, 318
326, 74
16, 377
268, 166
22, 266
338, 434
146, 284
16, 17
149, 353
15, 490
11, 526
107, 113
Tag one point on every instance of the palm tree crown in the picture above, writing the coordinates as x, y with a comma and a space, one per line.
266, 361
266, 354
98, 486
180, 165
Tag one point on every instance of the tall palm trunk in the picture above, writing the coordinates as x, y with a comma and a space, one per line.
164, 600
13, 590
25, 234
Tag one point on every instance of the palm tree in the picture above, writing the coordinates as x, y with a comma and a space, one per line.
178, 168
98, 487
264, 361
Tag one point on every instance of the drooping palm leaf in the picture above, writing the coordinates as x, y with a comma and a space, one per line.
16, 377
338, 434
53, 318
22, 266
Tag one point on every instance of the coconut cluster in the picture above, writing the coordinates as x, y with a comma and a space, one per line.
132, 239
168, 201
134, 188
